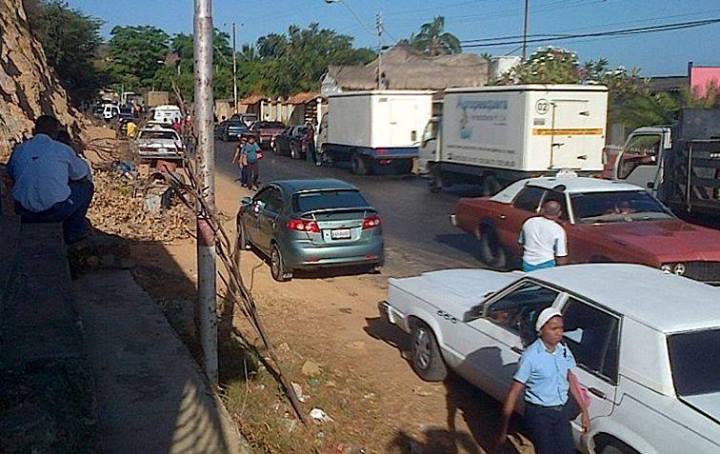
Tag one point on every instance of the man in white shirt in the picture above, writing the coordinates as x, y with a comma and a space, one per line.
51, 181
544, 240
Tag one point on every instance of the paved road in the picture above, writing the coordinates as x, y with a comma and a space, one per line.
418, 233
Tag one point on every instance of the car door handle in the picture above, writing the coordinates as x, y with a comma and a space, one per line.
597, 393
502, 216
517, 350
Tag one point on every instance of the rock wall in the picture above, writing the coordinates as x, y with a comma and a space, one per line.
28, 86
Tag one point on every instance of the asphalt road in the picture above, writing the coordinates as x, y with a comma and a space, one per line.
417, 229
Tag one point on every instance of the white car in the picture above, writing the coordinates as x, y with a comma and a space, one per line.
110, 111
647, 344
157, 142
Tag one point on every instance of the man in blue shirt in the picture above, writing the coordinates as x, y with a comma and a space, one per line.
251, 151
545, 377
50, 181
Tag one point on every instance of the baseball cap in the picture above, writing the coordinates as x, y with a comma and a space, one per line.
545, 315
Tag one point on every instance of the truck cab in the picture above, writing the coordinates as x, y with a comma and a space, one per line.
430, 146
639, 161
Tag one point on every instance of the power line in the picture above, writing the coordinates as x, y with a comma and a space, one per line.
475, 43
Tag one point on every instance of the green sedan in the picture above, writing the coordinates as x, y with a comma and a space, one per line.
311, 224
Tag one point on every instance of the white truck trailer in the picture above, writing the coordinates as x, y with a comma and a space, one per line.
372, 129
493, 136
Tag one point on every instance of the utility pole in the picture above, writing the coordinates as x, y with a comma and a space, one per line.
204, 102
380, 28
525, 30
235, 87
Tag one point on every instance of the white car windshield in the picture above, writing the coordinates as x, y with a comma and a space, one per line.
695, 362
618, 206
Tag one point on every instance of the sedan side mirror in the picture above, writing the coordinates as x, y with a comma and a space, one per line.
246, 201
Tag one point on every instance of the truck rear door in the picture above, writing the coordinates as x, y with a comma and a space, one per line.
573, 135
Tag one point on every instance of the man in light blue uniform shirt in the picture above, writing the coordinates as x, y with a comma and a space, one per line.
545, 378
50, 181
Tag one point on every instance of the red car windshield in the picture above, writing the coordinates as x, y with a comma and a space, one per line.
620, 206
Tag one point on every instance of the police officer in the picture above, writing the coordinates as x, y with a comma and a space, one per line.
544, 378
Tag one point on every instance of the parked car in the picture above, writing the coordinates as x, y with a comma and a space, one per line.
110, 111
267, 132
311, 224
232, 130
292, 142
645, 343
157, 142
605, 221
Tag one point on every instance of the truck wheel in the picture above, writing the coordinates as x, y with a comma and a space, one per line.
359, 165
277, 266
427, 361
492, 252
491, 186
435, 180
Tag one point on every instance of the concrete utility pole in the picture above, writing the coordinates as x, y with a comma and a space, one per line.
380, 28
525, 30
235, 87
204, 102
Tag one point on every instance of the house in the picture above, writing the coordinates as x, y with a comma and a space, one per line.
407, 69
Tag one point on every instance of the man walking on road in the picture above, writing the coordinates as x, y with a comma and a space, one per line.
251, 151
544, 240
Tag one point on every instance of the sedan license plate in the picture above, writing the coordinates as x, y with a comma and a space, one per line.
340, 234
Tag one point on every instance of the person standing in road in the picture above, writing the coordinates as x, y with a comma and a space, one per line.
251, 150
545, 377
543, 239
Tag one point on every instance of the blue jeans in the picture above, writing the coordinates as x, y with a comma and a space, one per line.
540, 266
70, 212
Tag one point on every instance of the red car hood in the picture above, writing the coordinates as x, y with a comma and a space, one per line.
671, 240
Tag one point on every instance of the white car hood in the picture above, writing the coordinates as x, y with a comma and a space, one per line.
708, 404
456, 290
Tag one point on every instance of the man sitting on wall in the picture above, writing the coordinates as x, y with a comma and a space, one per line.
51, 182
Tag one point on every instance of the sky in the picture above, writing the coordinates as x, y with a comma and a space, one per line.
656, 54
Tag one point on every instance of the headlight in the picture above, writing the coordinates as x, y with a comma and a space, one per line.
679, 269
667, 268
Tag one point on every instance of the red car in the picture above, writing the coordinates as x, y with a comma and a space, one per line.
266, 132
605, 221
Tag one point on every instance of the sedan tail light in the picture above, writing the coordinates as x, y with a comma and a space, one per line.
371, 222
303, 226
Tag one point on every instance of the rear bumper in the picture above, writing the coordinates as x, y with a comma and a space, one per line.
305, 255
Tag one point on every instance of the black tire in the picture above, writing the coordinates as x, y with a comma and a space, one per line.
492, 253
613, 446
426, 359
243, 243
294, 154
277, 266
491, 186
359, 165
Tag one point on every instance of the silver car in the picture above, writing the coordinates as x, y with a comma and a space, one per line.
311, 224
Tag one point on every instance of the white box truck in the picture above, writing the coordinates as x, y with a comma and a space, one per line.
494, 136
375, 128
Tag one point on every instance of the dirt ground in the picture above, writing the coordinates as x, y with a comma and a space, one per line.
375, 400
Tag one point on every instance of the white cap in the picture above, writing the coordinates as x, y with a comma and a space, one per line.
545, 315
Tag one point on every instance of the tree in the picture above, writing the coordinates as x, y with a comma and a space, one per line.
70, 40
136, 54
432, 40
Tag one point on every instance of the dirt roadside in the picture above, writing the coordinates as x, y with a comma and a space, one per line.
376, 402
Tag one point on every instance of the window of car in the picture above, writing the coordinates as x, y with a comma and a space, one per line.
345, 198
559, 197
695, 361
268, 124
158, 135
617, 206
529, 199
592, 335
269, 199
517, 311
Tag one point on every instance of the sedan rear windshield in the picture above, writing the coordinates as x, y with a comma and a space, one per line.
270, 124
620, 206
309, 201
695, 362
165, 135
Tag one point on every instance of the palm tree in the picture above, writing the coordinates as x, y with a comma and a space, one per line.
432, 40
